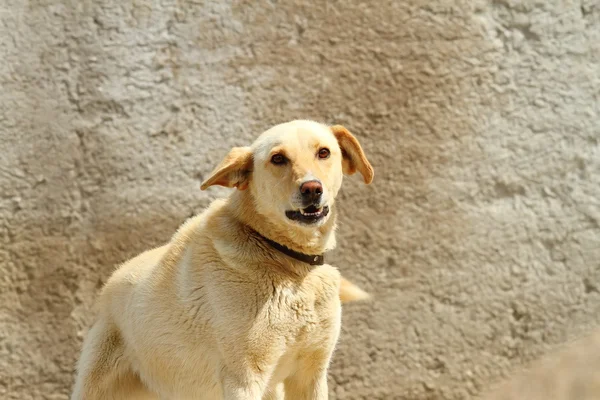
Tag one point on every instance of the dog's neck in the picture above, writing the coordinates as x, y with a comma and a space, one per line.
307, 241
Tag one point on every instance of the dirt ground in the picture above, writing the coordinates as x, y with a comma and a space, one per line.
480, 237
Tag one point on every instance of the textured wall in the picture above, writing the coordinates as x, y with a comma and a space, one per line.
480, 237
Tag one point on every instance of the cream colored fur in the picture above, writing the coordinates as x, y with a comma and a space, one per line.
217, 313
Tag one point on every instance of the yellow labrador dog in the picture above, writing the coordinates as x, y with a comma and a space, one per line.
239, 305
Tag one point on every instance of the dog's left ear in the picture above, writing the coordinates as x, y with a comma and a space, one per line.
233, 171
354, 158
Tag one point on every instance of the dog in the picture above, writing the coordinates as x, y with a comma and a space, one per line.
240, 304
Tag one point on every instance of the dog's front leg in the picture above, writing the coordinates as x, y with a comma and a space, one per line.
303, 387
235, 387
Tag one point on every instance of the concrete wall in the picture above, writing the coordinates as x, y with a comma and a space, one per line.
480, 237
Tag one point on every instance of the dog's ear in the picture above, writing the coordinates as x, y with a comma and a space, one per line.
233, 171
354, 158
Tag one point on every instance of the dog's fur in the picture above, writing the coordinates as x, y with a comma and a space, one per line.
219, 314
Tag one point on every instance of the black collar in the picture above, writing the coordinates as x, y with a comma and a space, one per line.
316, 259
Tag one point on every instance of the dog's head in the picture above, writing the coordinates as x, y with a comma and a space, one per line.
294, 171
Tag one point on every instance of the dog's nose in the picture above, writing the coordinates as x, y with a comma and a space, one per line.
311, 191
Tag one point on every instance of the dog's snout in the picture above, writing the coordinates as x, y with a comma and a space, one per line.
311, 191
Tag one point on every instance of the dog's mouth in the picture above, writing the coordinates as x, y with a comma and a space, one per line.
308, 215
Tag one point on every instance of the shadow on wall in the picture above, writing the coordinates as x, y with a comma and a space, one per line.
64, 274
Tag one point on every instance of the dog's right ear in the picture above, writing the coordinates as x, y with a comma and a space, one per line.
233, 171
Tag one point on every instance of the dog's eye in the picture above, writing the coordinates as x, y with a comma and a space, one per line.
324, 153
278, 159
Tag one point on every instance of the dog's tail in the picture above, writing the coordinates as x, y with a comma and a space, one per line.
349, 292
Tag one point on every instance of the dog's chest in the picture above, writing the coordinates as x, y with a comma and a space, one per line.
296, 312
306, 311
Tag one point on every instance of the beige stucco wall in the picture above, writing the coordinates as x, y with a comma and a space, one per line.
480, 236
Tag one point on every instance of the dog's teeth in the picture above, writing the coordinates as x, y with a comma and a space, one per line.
311, 214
